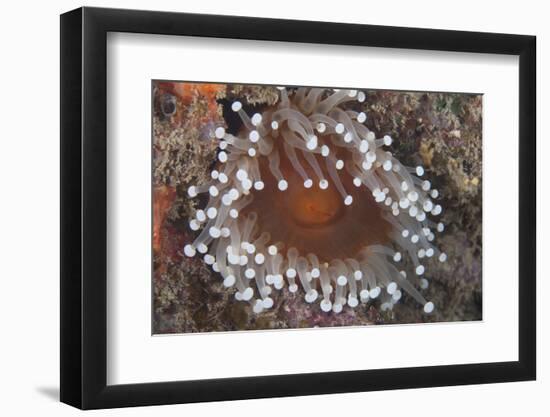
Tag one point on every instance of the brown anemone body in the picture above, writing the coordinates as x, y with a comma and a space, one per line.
315, 220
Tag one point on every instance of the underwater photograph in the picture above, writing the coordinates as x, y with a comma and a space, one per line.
285, 207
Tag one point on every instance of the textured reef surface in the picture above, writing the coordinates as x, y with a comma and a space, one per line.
441, 131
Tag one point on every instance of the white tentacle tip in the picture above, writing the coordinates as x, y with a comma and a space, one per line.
370, 156
437, 210
213, 191
326, 306
229, 281
396, 296
427, 206
201, 215
259, 185
222, 157
246, 184
259, 258
219, 132
312, 143
258, 307
348, 200
247, 294
413, 196
375, 292
254, 136
215, 232
212, 212
189, 251
342, 280
241, 174
282, 185
311, 296
429, 307
236, 106
353, 301
226, 200
267, 302
364, 295
256, 119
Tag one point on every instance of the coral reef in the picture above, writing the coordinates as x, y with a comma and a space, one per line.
441, 131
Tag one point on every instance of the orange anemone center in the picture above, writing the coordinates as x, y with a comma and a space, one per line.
315, 220
313, 207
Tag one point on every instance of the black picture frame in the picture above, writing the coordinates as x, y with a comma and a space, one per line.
84, 207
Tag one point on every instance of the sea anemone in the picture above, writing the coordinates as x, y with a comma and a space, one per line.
304, 195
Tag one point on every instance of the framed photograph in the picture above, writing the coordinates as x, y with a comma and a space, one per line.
256, 208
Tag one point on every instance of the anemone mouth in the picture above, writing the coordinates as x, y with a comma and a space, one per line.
306, 196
